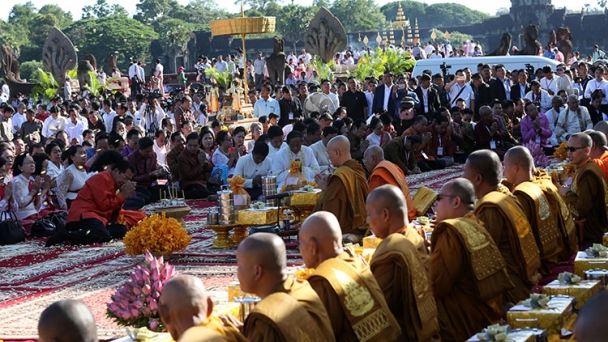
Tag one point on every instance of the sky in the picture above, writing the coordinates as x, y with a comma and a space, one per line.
489, 7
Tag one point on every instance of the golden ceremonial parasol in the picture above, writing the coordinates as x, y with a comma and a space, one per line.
243, 26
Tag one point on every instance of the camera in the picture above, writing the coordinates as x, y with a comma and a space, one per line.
444, 67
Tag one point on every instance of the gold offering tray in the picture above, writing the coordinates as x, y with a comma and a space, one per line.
224, 240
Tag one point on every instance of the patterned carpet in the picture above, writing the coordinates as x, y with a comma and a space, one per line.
33, 276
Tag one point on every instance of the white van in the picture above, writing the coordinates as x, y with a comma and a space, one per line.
510, 63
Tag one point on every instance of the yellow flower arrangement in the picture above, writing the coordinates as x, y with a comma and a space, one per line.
560, 152
158, 234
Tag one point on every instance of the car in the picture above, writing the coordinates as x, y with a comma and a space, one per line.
453, 64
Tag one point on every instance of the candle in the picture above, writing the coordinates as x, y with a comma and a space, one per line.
183, 195
160, 194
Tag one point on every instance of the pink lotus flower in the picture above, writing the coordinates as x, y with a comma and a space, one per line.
148, 258
146, 289
134, 312
123, 305
153, 324
158, 286
113, 307
138, 304
146, 311
152, 304
125, 315
155, 295
136, 290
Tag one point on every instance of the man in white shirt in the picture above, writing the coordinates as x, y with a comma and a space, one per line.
549, 82
253, 167
134, 77
281, 163
258, 69
572, 120
459, 89
53, 123
158, 73
108, 115
348, 59
325, 87
19, 118
552, 116
598, 83
221, 65
539, 96
292, 58
276, 143
320, 149
67, 88
266, 104
74, 127
429, 48
138, 119
160, 147
305, 57
369, 95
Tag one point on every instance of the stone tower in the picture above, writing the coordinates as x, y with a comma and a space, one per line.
525, 12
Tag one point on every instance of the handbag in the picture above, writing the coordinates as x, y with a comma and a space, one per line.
219, 175
11, 231
59, 218
43, 227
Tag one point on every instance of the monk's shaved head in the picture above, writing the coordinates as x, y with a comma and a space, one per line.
183, 304
375, 151
521, 156
67, 321
601, 126
322, 236
265, 249
598, 138
487, 164
461, 187
339, 143
390, 197
591, 321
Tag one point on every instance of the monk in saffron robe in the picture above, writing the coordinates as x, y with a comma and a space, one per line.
384, 172
290, 310
506, 222
344, 192
587, 195
341, 278
559, 208
468, 273
599, 150
401, 269
519, 170
185, 309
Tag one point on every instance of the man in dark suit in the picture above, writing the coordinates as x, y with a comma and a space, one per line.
428, 96
385, 97
519, 90
500, 88
482, 95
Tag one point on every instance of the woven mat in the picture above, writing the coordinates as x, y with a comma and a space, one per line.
32, 276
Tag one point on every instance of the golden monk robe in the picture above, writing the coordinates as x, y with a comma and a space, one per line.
384, 172
345, 191
345, 284
290, 310
519, 170
468, 274
561, 211
185, 309
400, 268
504, 219
588, 193
599, 150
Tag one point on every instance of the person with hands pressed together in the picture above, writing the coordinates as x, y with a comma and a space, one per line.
253, 167
146, 172
193, 168
290, 310
356, 137
29, 192
93, 214
535, 127
586, 196
487, 133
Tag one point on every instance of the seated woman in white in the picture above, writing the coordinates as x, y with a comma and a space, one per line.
29, 192
72, 179
223, 154
378, 137
7, 200
281, 163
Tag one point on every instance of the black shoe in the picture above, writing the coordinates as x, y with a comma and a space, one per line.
57, 238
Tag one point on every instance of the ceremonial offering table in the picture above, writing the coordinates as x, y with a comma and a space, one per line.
224, 240
177, 213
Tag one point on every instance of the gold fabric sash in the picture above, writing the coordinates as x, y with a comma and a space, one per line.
523, 245
549, 235
288, 316
349, 178
425, 317
362, 301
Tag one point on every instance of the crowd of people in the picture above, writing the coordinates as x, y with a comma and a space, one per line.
102, 158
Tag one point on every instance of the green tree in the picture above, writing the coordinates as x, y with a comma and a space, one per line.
64, 19
117, 9
293, 21
260, 5
412, 10
175, 35
28, 68
455, 37
10, 35
119, 35
358, 15
451, 14
150, 10
199, 13
22, 15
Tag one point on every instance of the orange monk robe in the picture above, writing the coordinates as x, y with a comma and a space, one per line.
334, 297
509, 234
468, 277
212, 329
293, 312
412, 235
389, 173
602, 162
345, 197
404, 279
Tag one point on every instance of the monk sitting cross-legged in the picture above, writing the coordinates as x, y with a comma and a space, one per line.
342, 278
504, 218
344, 192
400, 265
468, 274
290, 310
384, 172
519, 170
185, 309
